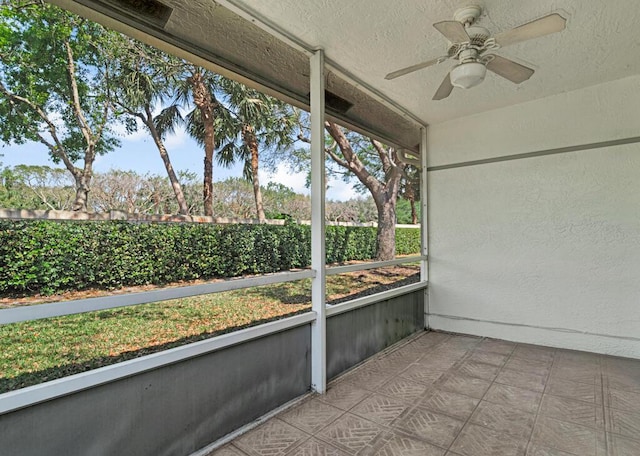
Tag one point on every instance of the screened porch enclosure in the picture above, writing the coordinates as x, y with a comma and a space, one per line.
523, 334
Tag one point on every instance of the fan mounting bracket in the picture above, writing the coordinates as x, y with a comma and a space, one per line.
467, 15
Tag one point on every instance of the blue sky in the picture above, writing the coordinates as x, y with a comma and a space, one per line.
139, 153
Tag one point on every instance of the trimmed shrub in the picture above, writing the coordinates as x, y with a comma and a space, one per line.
47, 256
407, 241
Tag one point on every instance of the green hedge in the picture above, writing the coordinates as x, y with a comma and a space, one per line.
48, 257
407, 241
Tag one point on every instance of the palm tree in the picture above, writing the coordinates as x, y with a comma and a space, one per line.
198, 86
253, 120
146, 78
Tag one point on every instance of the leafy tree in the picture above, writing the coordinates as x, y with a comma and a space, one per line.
54, 86
14, 194
281, 202
376, 167
51, 188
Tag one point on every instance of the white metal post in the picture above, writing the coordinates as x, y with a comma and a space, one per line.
318, 253
424, 225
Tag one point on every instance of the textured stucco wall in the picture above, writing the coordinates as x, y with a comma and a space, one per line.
543, 250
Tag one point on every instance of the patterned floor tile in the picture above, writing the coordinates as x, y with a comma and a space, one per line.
531, 367
452, 404
622, 400
462, 384
435, 428
535, 450
369, 378
623, 382
521, 379
586, 392
272, 438
569, 437
344, 395
581, 375
311, 416
496, 346
397, 444
393, 365
466, 342
422, 373
622, 446
621, 365
414, 399
431, 339
350, 432
476, 440
380, 409
314, 447
562, 408
439, 363
228, 450
533, 353
479, 370
576, 356
623, 423
495, 359
444, 357
584, 369
404, 389
504, 419
511, 396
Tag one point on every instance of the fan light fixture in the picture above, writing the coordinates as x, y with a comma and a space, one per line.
472, 46
467, 75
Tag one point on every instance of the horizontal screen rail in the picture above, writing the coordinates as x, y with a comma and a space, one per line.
374, 298
31, 395
57, 309
375, 265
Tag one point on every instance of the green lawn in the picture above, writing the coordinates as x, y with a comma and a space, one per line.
36, 351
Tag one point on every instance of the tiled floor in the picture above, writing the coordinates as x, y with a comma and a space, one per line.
440, 394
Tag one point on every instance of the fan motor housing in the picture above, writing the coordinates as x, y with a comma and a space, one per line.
477, 34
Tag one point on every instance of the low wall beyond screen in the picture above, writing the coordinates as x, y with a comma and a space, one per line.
178, 409
173, 410
358, 334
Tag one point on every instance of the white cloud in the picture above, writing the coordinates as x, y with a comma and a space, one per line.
176, 139
284, 176
141, 133
338, 190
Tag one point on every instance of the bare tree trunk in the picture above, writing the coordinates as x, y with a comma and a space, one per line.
204, 101
164, 155
414, 212
250, 140
385, 194
386, 235
82, 194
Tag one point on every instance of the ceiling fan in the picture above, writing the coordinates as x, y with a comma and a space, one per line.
472, 45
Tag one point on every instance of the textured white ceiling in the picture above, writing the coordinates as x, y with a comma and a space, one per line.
371, 38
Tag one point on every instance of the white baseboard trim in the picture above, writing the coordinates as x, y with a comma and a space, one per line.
608, 344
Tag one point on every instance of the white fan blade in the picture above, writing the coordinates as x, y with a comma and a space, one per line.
454, 31
540, 27
416, 67
509, 69
445, 88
